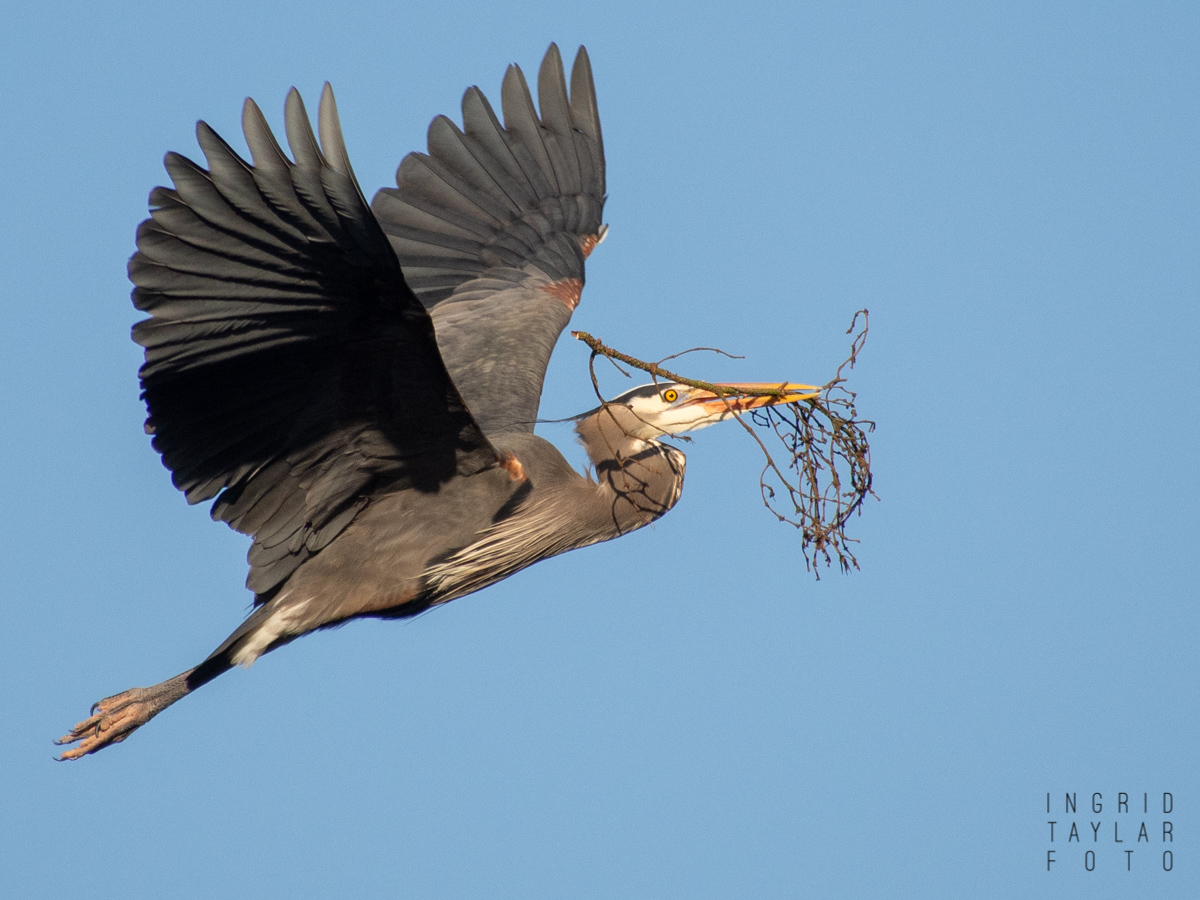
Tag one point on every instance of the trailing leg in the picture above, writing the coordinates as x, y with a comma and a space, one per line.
115, 718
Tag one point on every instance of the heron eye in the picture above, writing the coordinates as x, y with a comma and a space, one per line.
671, 395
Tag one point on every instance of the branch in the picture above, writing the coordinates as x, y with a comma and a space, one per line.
827, 475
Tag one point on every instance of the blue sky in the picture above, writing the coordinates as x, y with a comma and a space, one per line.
1012, 190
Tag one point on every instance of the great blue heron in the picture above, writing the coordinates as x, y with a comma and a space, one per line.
357, 386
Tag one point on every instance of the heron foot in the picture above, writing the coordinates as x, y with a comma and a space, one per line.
113, 719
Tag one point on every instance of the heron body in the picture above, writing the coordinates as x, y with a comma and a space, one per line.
390, 563
355, 386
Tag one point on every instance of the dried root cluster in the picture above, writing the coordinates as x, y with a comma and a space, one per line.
826, 475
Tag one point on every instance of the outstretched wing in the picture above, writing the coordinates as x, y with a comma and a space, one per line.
289, 368
492, 227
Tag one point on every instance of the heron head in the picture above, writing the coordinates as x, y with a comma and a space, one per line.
654, 411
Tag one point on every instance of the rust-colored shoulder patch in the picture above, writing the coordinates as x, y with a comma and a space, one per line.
587, 243
567, 291
513, 467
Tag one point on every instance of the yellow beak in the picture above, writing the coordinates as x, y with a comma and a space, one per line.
748, 395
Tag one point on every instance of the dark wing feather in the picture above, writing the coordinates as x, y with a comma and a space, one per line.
492, 227
289, 369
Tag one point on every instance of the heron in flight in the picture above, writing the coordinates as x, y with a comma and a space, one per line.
356, 385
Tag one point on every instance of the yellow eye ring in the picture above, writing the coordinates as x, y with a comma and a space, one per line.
670, 395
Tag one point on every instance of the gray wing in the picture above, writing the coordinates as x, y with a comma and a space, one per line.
492, 227
289, 368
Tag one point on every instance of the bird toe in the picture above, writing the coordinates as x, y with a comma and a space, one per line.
113, 719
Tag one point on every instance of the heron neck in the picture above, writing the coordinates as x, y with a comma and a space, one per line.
640, 479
